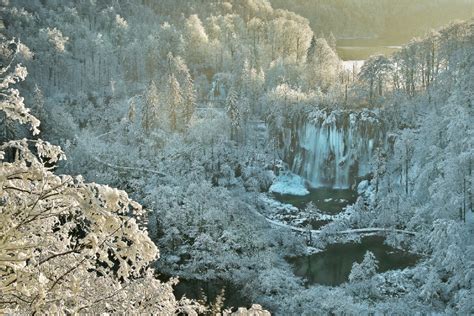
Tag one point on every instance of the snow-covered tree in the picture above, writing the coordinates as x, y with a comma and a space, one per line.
175, 102
151, 111
375, 71
234, 112
67, 246
323, 65
196, 40
364, 270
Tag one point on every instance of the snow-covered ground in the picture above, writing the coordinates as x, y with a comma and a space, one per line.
289, 183
276, 207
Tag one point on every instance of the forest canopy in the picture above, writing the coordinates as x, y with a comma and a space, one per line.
210, 157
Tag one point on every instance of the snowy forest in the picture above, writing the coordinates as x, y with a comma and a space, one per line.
237, 157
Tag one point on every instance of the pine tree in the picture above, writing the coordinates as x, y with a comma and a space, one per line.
151, 112
38, 101
311, 50
175, 102
364, 270
233, 112
332, 42
189, 97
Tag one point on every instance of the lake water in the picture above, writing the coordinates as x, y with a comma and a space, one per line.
333, 266
363, 48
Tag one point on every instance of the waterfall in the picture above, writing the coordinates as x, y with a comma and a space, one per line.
333, 150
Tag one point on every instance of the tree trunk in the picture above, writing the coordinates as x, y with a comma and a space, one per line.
464, 204
406, 169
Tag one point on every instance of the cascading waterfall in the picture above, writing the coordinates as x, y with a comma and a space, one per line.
333, 150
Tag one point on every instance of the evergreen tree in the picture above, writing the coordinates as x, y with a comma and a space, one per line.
332, 42
364, 270
234, 113
151, 109
175, 103
311, 50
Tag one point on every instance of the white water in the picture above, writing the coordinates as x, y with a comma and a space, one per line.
334, 151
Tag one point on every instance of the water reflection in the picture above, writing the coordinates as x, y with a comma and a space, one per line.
333, 266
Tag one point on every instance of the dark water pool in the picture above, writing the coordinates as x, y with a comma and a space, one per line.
328, 200
333, 266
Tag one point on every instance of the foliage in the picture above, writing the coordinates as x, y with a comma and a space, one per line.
67, 246
190, 106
